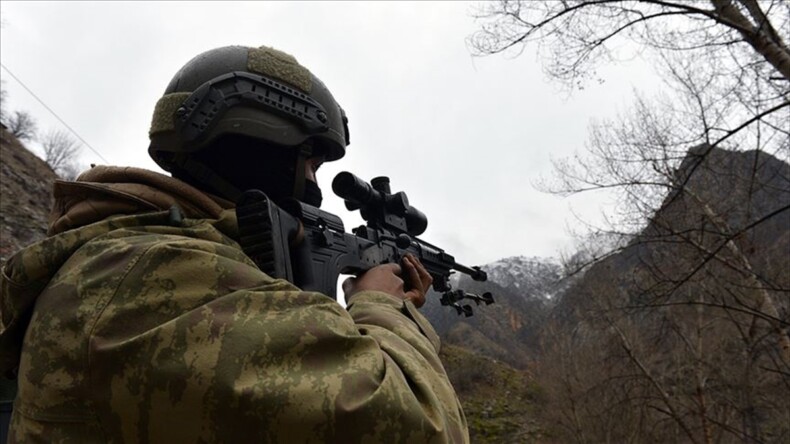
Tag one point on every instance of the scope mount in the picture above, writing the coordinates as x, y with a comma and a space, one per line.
454, 297
392, 218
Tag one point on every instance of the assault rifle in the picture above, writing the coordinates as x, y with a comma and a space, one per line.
310, 247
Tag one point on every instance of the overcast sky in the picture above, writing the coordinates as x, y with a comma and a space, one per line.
465, 137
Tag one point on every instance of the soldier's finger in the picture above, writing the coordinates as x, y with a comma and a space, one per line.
425, 277
395, 268
348, 285
415, 280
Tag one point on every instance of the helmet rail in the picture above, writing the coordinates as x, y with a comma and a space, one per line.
206, 106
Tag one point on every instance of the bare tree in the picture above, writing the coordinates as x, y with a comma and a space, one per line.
61, 152
22, 125
691, 337
654, 353
71, 171
729, 56
709, 281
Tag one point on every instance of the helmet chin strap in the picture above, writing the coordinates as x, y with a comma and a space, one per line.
305, 151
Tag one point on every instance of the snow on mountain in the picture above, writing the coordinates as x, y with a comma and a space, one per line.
532, 277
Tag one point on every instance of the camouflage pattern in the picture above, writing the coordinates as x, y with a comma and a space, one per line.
147, 328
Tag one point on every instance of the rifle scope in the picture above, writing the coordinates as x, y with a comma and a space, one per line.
377, 205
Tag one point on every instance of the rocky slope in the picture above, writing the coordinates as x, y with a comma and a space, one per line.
25, 196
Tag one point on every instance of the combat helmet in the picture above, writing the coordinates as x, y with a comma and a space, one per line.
260, 93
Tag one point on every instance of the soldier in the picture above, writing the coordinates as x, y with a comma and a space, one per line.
140, 319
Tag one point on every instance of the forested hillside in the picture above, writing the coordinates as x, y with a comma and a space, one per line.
679, 336
682, 335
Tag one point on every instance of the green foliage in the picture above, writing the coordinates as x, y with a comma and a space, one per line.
501, 403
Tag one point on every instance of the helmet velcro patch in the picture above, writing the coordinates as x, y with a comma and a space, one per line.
165, 110
282, 66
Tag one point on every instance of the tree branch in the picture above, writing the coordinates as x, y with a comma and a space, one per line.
774, 53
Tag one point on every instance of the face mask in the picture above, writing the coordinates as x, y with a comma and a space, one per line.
312, 194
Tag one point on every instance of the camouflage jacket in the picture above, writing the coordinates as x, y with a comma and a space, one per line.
130, 325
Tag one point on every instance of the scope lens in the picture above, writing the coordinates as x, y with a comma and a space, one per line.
353, 189
416, 221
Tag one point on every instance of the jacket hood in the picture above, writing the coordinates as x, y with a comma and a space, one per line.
105, 191
82, 212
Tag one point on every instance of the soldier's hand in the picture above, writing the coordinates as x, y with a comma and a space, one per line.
418, 280
389, 278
